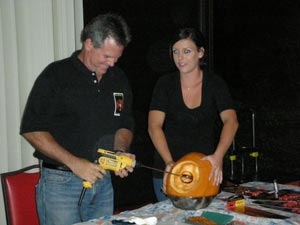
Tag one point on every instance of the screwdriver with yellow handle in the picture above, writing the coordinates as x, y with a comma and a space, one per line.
108, 160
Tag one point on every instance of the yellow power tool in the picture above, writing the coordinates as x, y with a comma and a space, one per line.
109, 160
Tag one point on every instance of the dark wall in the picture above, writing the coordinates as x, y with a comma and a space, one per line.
256, 50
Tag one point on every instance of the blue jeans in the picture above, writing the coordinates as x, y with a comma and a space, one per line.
157, 185
58, 194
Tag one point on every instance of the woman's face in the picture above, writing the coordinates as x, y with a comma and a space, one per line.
186, 55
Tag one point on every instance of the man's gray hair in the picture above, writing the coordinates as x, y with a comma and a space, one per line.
104, 26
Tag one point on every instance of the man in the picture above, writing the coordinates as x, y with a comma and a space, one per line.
72, 111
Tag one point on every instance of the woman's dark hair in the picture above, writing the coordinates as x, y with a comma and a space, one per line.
188, 33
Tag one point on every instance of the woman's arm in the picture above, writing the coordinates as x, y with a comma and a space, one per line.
230, 126
155, 124
157, 135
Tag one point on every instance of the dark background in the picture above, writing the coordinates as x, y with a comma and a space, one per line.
254, 45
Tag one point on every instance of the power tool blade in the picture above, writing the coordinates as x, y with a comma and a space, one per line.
162, 171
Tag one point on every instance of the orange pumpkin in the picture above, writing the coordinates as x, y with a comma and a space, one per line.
193, 181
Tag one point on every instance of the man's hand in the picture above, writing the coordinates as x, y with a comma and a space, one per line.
128, 169
87, 170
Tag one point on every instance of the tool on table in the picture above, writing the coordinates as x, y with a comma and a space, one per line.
251, 211
286, 202
237, 203
275, 188
113, 161
292, 206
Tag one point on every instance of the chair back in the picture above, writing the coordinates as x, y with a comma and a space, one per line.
19, 195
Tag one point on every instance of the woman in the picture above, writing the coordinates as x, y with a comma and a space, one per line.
185, 108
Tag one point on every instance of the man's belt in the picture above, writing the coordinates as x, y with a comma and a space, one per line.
55, 167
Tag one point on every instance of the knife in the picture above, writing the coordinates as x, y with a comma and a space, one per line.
250, 211
247, 210
277, 204
272, 202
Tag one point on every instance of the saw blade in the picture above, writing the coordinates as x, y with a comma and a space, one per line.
162, 171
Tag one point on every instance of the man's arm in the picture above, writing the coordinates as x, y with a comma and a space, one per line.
123, 139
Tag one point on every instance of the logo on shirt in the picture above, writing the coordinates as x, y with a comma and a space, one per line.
119, 103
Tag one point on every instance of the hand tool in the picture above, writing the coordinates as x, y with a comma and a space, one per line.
251, 211
108, 160
292, 206
236, 203
111, 160
116, 161
270, 201
275, 188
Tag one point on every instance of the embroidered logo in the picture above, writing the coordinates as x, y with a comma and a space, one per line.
119, 103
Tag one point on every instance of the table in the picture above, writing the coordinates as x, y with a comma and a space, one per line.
167, 214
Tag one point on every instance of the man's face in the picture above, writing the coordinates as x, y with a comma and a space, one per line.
100, 59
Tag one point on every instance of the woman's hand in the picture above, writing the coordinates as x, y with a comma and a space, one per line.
217, 168
168, 168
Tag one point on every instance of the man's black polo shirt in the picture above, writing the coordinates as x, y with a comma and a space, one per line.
68, 101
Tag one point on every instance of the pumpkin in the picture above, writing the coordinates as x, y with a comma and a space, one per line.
193, 180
